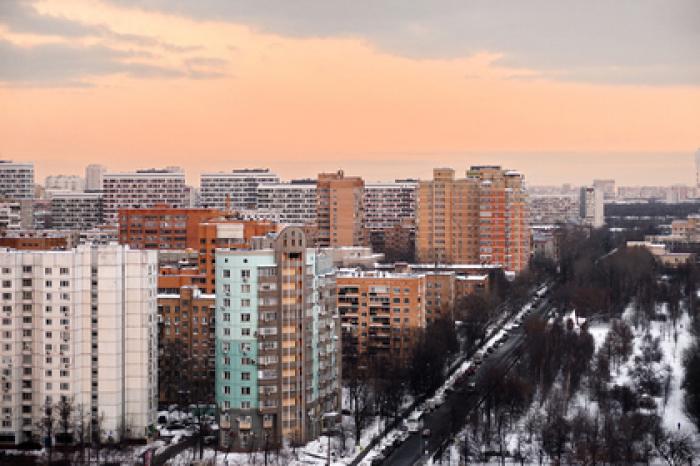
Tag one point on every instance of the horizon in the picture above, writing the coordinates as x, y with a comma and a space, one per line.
644, 172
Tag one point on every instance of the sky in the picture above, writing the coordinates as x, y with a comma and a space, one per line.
561, 90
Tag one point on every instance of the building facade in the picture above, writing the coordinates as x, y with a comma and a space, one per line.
72, 183
142, 189
186, 347
482, 218
381, 313
162, 227
389, 204
292, 203
340, 210
591, 207
16, 180
75, 211
237, 190
94, 175
79, 325
10, 215
277, 343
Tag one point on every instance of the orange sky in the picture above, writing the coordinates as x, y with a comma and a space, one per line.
300, 105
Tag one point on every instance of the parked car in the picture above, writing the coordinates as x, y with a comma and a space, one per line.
426, 433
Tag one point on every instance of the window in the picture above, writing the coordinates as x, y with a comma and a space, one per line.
245, 302
227, 390
63, 271
245, 288
227, 273
245, 331
227, 317
245, 317
245, 390
245, 274
245, 405
245, 375
227, 375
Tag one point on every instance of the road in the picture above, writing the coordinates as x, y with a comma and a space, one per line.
449, 418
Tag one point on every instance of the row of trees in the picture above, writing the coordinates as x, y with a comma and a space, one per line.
377, 384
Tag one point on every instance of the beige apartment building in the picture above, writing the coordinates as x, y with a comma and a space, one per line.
340, 210
482, 218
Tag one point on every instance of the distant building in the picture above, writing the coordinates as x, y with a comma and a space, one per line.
79, 325
72, 183
292, 203
75, 210
548, 209
143, 189
389, 204
607, 187
94, 175
10, 215
697, 168
237, 189
277, 343
340, 210
482, 218
16, 180
591, 207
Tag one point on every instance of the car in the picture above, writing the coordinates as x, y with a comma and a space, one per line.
426, 433
490, 350
471, 370
471, 387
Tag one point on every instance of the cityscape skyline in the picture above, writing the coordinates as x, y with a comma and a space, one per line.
631, 169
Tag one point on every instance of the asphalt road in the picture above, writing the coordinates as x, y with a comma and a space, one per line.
448, 419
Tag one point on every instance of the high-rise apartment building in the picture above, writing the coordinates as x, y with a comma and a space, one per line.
552, 208
277, 342
292, 203
482, 218
237, 189
75, 210
72, 183
94, 175
591, 207
381, 313
340, 210
389, 204
143, 189
16, 180
79, 325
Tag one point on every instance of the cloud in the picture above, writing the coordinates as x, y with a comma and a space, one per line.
66, 65
622, 41
22, 17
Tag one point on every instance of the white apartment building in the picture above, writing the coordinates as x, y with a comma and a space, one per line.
547, 209
94, 175
79, 324
64, 183
75, 211
389, 204
241, 187
16, 180
591, 207
292, 203
142, 189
